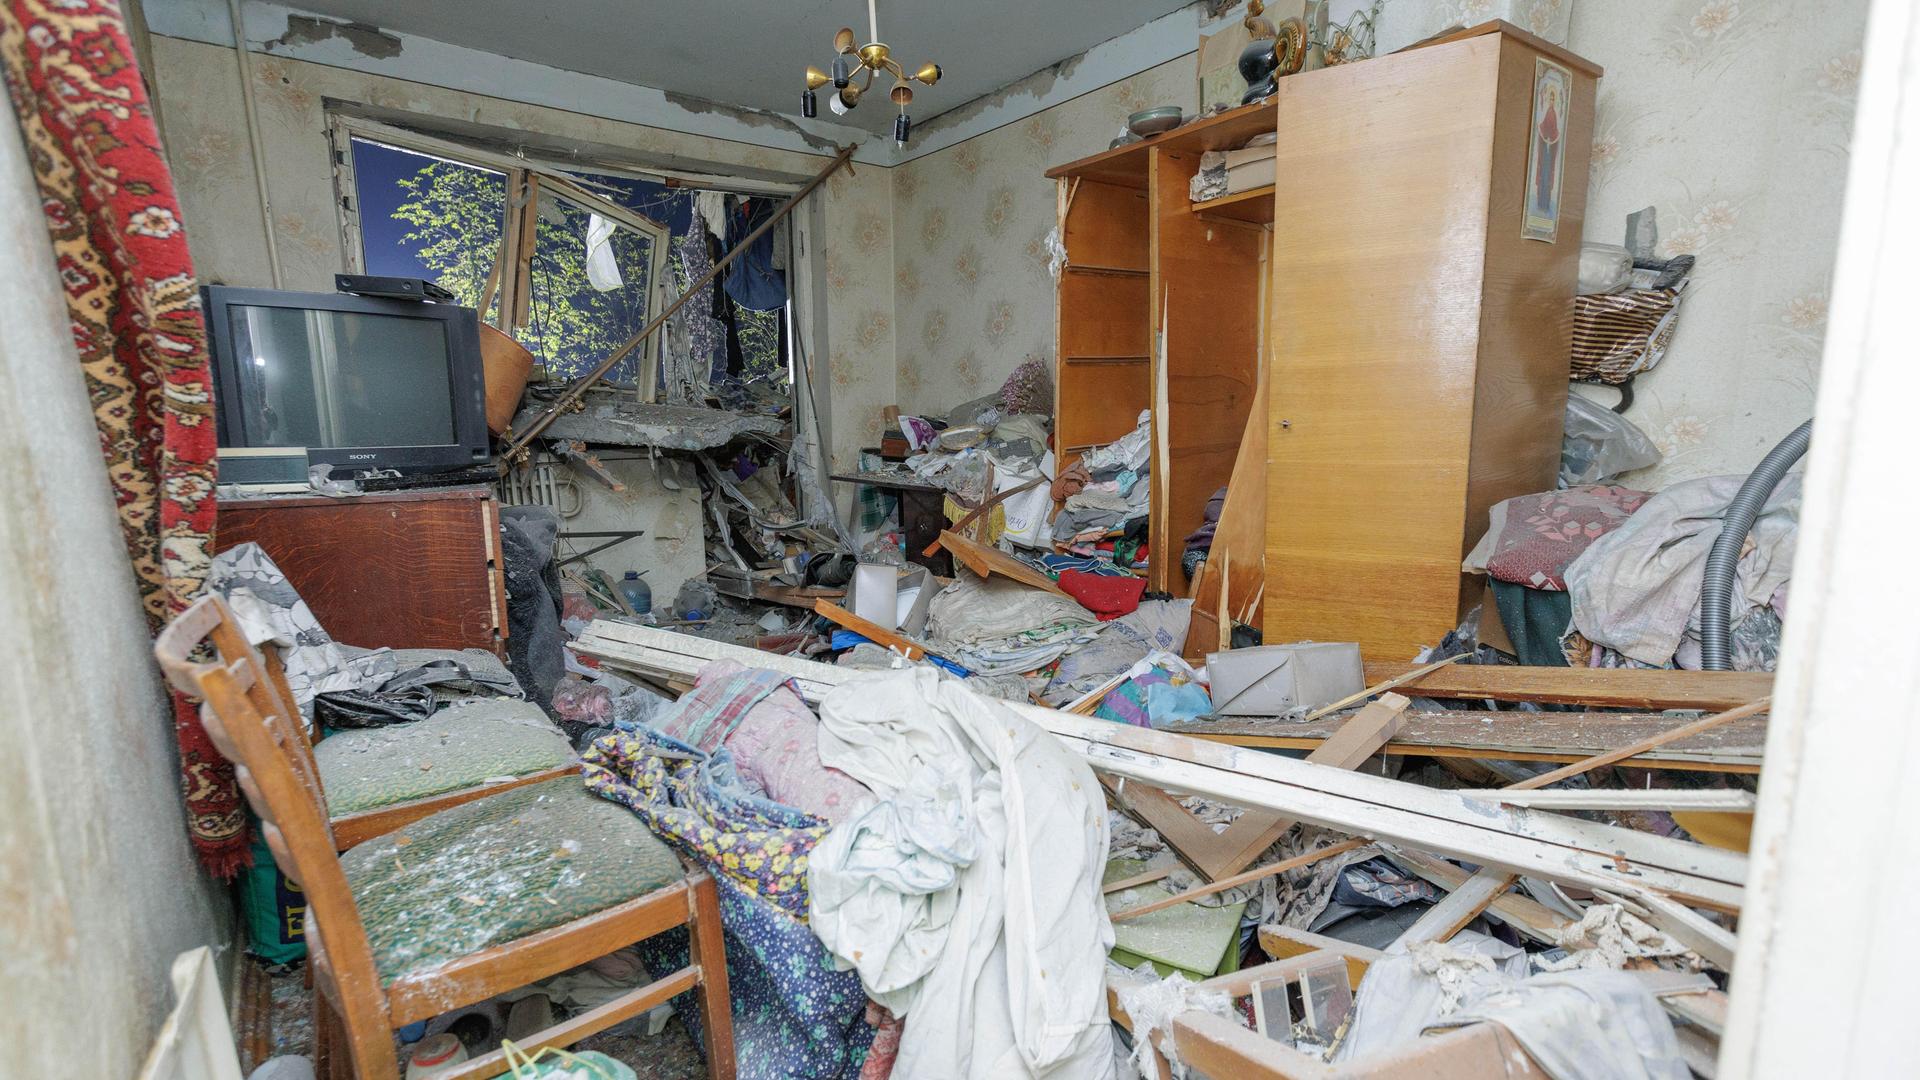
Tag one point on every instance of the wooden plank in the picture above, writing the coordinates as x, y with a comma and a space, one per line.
1614, 688
1127, 165
986, 562
872, 631
1723, 800
1358, 739
1191, 840
1461, 906
1515, 736
1706, 723
1281, 867
1254, 205
1147, 877
1523, 913
1284, 942
1383, 686
1713, 942
1548, 845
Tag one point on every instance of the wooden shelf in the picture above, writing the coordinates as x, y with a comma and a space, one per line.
1127, 165
1106, 359
1255, 205
1122, 271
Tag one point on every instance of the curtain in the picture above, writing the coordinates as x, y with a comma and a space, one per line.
117, 238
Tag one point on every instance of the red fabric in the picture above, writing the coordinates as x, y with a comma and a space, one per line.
1108, 597
1536, 537
131, 295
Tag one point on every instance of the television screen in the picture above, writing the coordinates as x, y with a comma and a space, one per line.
314, 378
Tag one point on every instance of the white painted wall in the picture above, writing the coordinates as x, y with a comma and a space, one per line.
99, 889
1823, 982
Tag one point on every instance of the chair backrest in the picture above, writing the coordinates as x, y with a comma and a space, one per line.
252, 722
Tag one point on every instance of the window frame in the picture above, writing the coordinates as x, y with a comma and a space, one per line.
524, 177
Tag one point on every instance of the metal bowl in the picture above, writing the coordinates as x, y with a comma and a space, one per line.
1154, 121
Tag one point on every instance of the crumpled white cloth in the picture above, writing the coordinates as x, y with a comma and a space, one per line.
1637, 589
1002, 968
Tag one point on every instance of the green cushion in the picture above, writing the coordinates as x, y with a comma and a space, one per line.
459, 747
499, 869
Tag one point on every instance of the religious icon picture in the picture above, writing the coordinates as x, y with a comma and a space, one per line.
1547, 156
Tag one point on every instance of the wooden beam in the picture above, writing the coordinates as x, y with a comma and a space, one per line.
1566, 849
1624, 688
1461, 906
986, 561
1285, 942
1723, 800
1559, 737
1147, 877
1358, 739
872, 631
1706, 723
1523, 913
1281, 867
1191, 840
1383, 686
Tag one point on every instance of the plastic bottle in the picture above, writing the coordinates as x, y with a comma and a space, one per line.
638, 594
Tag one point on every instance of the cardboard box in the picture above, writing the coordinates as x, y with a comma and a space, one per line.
895, 597
1272, 680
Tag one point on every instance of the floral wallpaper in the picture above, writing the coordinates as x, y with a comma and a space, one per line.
972, 296
1730, 118
207, 142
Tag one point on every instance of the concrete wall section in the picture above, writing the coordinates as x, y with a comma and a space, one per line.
99, 889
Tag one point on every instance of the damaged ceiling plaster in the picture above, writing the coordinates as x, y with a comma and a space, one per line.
982, 45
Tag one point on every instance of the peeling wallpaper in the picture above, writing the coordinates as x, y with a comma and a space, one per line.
1732, 119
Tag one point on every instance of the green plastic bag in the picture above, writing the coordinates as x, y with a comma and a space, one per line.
556, 1064
273, 909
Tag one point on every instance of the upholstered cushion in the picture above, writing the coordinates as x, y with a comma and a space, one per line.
459, 747
499, 869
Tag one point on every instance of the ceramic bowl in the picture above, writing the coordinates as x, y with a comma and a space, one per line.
1154, 121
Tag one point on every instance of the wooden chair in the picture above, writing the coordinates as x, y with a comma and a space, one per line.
457, 906
357, 825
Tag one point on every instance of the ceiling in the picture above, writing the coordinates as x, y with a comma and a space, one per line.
753, 54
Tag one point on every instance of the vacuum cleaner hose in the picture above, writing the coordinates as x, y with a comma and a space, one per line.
1716, 591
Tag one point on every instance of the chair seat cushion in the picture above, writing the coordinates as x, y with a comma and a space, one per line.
499, 869
459, 747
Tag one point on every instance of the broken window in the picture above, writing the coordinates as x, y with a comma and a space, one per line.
572, 264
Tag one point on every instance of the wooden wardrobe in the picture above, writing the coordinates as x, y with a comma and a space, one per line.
1411, 338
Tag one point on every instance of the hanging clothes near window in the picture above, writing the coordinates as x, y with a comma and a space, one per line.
752, 279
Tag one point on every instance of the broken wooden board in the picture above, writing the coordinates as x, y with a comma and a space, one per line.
986, 562
1558, 737
1458, 908
872, 631
1717, 800
1650, 743
1358, 738
1283, 942
1622, 688
1526, 842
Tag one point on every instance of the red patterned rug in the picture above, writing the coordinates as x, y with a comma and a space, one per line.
110, 207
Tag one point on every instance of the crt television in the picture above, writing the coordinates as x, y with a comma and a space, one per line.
360, 383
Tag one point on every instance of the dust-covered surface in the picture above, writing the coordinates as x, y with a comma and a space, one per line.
618, 420
670, 1055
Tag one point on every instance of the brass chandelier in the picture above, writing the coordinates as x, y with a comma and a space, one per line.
873, 57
